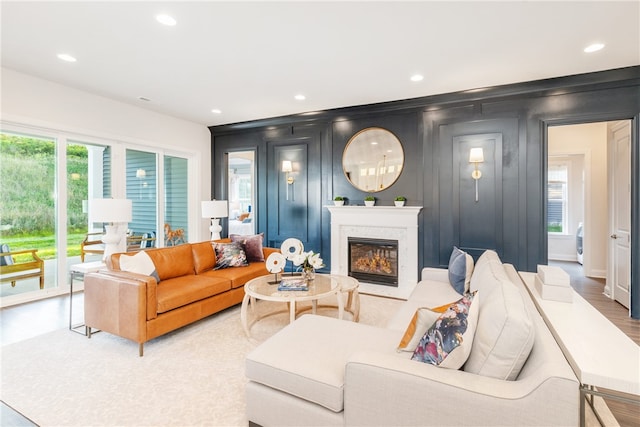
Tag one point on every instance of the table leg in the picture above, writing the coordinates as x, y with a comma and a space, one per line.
243, 313
70, 300
314, 306
292, 311
340, 305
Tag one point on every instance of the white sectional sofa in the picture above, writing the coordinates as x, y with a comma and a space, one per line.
323, 371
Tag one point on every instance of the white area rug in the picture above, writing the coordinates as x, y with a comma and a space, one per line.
193, 376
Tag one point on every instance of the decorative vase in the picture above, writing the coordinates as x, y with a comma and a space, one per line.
308, 273
338, 202
399, 203
369, 202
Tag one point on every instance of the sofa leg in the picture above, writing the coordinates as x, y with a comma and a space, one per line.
141, 349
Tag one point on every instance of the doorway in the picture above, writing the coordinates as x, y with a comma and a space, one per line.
589, 202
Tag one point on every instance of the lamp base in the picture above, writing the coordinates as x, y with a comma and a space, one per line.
215, 229
114, 239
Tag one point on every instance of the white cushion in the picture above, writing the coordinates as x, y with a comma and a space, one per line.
140, 263
298, 361
505, 333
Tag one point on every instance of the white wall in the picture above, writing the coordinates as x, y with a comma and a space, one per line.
34, 102
589, 140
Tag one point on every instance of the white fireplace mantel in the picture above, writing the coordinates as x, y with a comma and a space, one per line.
378, 222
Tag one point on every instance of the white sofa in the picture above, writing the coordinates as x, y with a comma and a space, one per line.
323, 371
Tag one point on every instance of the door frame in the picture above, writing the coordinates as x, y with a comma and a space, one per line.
634, 309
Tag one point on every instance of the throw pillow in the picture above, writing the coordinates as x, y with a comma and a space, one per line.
230, 255
460, 269
6, 259
139, 263
447, 343
252, 246
422, 319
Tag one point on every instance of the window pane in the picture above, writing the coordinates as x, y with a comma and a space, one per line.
176, 198
241, 192
88, 177
557, 198
27, 206
141, 173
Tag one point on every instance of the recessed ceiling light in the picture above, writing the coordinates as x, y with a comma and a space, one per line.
216, 111
300, 97
144, 98
166, 20
66, 57
593, 47
417, 78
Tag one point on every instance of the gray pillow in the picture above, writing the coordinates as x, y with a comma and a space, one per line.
460, 268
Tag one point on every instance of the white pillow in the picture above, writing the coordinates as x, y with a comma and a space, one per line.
139, 263
422, 320
505, 333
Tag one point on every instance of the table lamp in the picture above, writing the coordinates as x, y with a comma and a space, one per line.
117, 213
215, 209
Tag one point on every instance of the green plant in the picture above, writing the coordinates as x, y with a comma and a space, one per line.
339, 199
401, 199
369, 199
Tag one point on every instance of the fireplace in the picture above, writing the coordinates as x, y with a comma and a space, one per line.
373, 260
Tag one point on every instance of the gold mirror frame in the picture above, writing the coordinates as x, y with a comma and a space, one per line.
373, 159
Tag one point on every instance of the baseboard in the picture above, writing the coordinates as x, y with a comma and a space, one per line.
562, 257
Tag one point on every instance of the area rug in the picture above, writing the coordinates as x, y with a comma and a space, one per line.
190, 377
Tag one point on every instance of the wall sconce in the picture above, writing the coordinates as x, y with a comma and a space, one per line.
287, 168
215, 209
476, 156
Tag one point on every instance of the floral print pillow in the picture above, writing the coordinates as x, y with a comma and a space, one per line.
447, 343
230, 255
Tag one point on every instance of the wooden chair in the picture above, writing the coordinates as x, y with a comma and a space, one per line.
92, 243
11, 271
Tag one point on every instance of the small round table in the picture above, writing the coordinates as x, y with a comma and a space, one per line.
262, 288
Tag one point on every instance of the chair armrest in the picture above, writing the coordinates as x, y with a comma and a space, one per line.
381, 389
437, 274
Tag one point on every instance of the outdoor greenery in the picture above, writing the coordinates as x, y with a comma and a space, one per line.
28, 196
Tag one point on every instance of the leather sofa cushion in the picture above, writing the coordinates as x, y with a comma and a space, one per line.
180, 291
204, 257
173, 261
238, 276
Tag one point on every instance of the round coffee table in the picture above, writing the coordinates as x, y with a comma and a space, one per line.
261, 288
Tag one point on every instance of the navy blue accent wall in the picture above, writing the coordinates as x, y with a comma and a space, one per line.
509, 122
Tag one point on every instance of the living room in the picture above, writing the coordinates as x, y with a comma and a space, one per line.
512, 113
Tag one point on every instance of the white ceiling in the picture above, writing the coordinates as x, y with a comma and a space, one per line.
249, 59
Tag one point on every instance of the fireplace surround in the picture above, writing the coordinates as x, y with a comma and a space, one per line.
377, 222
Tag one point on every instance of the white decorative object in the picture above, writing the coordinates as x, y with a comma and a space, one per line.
369, 203
553, 283
291, 247
118, 213
275, 264
399, 203
215, 209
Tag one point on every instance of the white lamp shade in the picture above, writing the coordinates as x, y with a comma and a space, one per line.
215, 209
110, 210
476, 155
286, 166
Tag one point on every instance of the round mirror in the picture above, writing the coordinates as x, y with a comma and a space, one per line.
373, 159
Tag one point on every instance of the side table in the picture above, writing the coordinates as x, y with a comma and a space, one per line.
77, 271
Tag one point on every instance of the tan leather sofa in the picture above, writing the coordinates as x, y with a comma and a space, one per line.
137, 307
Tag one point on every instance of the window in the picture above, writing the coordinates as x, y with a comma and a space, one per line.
557, 197
241, 192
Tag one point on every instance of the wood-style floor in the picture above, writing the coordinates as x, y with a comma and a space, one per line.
35, 318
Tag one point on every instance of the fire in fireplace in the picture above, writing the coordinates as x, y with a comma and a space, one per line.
374, 260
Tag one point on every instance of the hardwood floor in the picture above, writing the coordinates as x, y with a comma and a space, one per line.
36, 318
